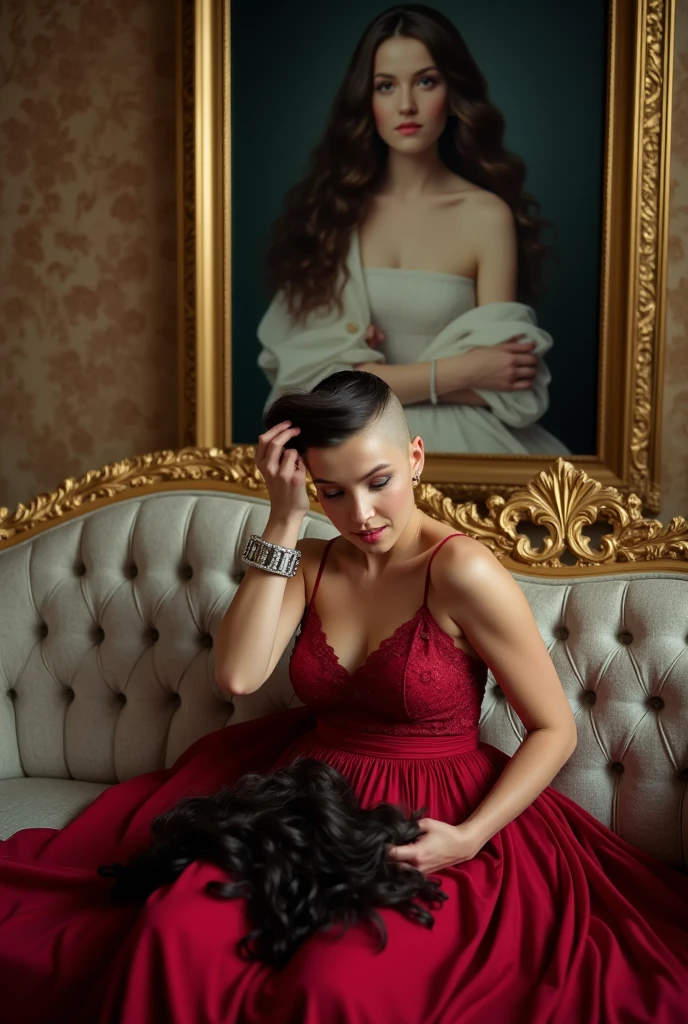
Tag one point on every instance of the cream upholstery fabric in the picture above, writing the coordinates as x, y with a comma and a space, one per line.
106, 665
620, 647
106, 662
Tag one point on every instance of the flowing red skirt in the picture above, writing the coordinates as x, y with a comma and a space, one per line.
556, 919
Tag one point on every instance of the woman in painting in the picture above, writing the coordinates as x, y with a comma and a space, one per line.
405, 248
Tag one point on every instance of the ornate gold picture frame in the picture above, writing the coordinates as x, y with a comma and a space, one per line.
633, 247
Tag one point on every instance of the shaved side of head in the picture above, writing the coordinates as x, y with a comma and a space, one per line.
394, 423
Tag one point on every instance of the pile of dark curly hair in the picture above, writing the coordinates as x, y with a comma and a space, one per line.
299, 848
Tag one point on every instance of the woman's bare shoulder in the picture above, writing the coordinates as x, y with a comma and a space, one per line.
312, 550
464, 564
489, 209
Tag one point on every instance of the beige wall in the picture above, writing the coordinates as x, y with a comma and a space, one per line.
87, 248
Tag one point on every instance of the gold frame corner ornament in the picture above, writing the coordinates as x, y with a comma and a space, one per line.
633, 244
562, 500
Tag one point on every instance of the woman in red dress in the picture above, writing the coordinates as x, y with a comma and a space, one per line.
550, 916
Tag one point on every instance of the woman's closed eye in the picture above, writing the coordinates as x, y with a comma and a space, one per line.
376, 486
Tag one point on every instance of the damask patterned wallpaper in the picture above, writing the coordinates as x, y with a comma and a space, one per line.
87, 248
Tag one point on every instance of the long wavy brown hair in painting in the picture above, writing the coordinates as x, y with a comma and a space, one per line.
310, 243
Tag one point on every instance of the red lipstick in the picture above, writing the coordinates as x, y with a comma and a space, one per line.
371, 536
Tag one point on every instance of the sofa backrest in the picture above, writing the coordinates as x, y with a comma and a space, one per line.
620, 647
106, 627
106, 659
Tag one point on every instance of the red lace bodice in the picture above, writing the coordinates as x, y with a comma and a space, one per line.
416, 683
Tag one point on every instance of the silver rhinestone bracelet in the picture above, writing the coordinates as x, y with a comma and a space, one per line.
262, 554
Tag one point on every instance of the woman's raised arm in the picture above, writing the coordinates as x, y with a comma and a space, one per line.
267, 608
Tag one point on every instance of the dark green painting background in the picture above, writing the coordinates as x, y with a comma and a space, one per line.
545, 65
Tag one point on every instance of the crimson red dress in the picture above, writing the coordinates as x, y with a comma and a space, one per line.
555, 920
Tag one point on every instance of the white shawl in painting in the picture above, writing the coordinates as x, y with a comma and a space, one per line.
299, 355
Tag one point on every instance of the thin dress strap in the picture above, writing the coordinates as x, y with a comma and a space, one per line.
322, 566
427, 571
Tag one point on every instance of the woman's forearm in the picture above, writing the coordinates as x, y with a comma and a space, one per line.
246, 635
463, 397
410, 382
527, 774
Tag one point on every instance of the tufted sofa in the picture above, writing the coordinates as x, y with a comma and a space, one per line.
111, 590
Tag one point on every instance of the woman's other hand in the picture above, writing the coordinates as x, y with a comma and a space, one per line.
440, 846
284, 473
374, 336
509, 366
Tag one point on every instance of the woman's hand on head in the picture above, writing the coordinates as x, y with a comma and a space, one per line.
509, 366
284, 473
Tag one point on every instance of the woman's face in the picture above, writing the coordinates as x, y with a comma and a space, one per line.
365, 486
408, 90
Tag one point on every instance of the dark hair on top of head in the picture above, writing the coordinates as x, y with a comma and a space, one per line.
337, 408
298, 847
310, 240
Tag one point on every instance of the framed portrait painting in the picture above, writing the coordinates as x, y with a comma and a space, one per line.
561, 111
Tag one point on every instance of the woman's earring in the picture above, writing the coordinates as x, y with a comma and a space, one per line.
416, 480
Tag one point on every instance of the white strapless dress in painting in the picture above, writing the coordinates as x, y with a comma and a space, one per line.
411, 307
